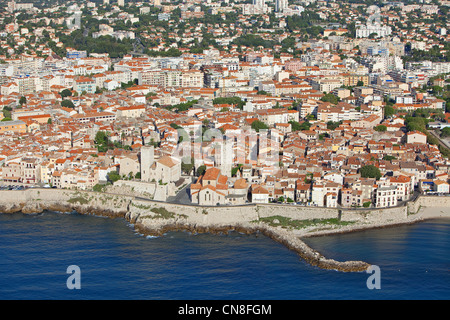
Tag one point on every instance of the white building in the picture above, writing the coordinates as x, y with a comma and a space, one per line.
365, 31
386, 197
281, 5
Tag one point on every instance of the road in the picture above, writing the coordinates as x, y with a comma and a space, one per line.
182, 196
441, 141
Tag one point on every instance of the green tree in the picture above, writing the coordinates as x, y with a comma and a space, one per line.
416, 124
187, 167
99, 187
380, 128
389, 158
22, 100
333, 125
370, 171
201, 170
67, 104
102, 141
432, 139
113, 176
329, 97
230, 100
389, 111
445, 132
259, 125
296, 126
66, 93
7, 112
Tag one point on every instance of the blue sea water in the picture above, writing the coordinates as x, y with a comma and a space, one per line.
117, 263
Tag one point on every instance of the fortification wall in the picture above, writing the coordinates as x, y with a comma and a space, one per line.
153, 217
433, 201
36, 200
141, 209
375, 216
296, 212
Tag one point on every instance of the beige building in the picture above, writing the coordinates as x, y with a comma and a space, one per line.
416, 137
326, 85
128, 164
259, 194
131, 112
358, 91
12, 172
164, 170
210, 189
368, 122
15, 126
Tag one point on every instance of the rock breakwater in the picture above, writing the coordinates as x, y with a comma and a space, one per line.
285, 237
157, 218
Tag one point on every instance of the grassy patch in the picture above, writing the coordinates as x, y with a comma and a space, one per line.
276, 221
162, 213
140, 206
78, 199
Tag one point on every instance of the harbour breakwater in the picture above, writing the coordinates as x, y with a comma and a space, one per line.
283, 223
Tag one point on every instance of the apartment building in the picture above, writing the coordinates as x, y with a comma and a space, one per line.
16, 126
386, 197
84, 84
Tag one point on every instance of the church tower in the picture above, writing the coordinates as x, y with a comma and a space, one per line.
147, 159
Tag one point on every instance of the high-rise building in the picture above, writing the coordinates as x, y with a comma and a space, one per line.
147, 159
281, 5
259, 3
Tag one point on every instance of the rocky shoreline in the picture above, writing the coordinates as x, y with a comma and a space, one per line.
286, 238
155, 219
36, 208
161, 226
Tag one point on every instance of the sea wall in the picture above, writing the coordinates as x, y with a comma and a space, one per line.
36, 200
430, 202
156, 218
374, 215
296, 212
196, 215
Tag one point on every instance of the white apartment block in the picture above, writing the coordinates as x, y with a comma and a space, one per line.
366, 30
386, 197
172, 78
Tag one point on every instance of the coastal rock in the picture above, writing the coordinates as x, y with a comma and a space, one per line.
11, 207
31, 208
151, 227
157, 218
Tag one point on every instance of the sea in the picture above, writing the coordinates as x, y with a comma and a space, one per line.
113, 262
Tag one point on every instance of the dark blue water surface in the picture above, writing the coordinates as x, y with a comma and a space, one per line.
117, 263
